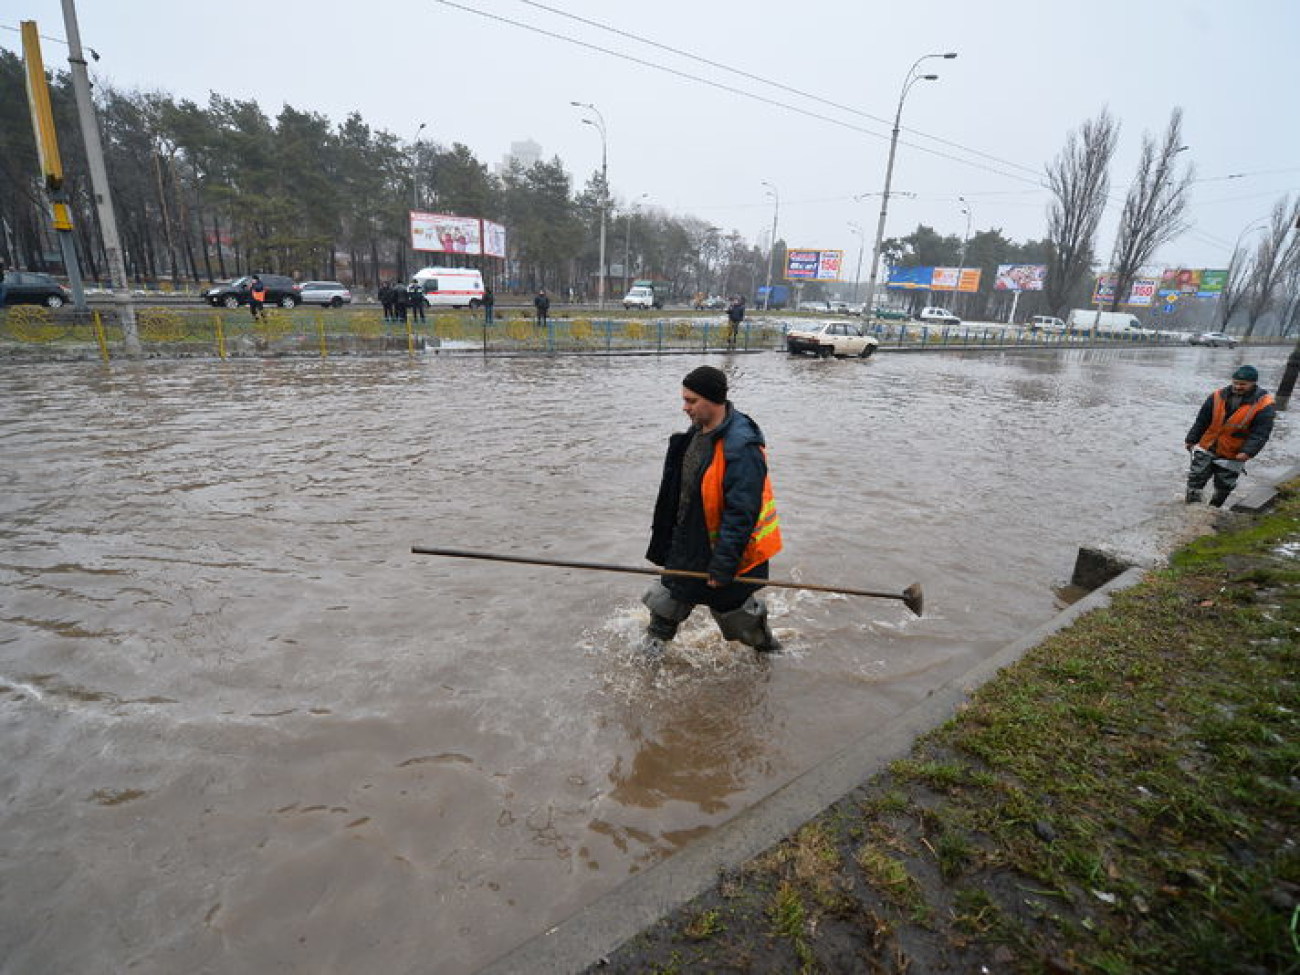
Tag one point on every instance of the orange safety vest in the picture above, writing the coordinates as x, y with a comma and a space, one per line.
259, 294
765, 540
1226, 434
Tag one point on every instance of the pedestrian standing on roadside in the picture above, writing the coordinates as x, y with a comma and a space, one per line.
386, 299
415, 298
1232, 426
735, 315
256, 297
489, 303
542, 304
399, 303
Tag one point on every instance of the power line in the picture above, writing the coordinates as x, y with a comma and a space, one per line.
726, 87
768, 81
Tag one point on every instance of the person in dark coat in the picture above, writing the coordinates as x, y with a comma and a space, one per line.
399, 303
386, 299
735, 315
1231, 427
542, 304
415, 299
715, 514
489, 304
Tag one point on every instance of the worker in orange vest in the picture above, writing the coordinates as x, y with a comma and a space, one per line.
256, 297
1232, 426
715, 514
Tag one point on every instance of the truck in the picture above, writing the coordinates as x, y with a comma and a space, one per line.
646, 294
1112, 322
780, 297
451, 287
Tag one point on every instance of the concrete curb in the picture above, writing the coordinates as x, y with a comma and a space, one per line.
598, 929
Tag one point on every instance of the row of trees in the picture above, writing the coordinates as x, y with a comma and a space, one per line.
206, 192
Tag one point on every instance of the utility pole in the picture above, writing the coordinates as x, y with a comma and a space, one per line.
99, 181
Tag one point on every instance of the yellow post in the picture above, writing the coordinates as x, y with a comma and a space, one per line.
221, 336
99, 335
320, 330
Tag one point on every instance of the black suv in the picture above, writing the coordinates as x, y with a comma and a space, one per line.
280, 291
33, 288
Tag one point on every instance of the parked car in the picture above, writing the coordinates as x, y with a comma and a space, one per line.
1046, 323
841, 308
323, 293
828, 339
1214, 339
890, 314
934, 315
816, 305
34, 288
280, 291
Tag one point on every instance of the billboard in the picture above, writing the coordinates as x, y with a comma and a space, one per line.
813, 265
1103, 292
1192, 282
926, 278
1143, 291
494, 239
1020, 277
446, 233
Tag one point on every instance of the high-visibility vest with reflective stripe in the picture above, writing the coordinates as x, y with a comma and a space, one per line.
765, 540
1226, 434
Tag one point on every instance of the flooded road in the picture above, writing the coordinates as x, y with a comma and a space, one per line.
243, 728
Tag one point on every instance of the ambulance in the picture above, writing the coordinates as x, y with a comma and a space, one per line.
451, 287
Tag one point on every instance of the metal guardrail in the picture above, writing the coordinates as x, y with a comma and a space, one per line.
37, 332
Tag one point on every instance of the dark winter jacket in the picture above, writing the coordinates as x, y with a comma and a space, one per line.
685, 545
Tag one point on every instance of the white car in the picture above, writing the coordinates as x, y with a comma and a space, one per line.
828, 339
934, 315
323, 293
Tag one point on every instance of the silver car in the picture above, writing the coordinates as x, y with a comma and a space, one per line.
325, 293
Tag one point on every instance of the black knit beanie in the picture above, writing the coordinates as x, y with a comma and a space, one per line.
709, 382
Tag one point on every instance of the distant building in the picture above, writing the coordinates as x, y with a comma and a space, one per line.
526, 153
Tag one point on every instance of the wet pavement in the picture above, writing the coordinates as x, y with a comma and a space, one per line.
244, 729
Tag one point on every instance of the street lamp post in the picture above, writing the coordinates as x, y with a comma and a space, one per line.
912, 78
862, 243
771, 257
627, 240
961, 265
415, 158
599, 123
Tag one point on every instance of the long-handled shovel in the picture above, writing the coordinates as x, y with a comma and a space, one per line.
911, 596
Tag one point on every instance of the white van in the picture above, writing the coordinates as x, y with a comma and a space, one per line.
1085, 319
451, 287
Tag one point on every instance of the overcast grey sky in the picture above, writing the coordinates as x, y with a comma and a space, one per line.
1025, 76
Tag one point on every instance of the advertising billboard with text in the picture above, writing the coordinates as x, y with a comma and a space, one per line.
962, 279
813, 265
446, 234
1020, 277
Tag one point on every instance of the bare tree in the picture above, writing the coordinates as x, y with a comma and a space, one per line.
1273, 258
1079, 180
1236, 285
1154, 207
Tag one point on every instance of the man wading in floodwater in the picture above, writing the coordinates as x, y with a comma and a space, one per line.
1232, 427
715, 513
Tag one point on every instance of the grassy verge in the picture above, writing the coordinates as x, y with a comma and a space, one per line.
1125, 799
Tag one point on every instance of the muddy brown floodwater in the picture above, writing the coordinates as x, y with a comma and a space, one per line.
244, 729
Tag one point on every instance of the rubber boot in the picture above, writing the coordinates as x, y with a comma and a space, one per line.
748, 624
1216, 501
1193, 496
